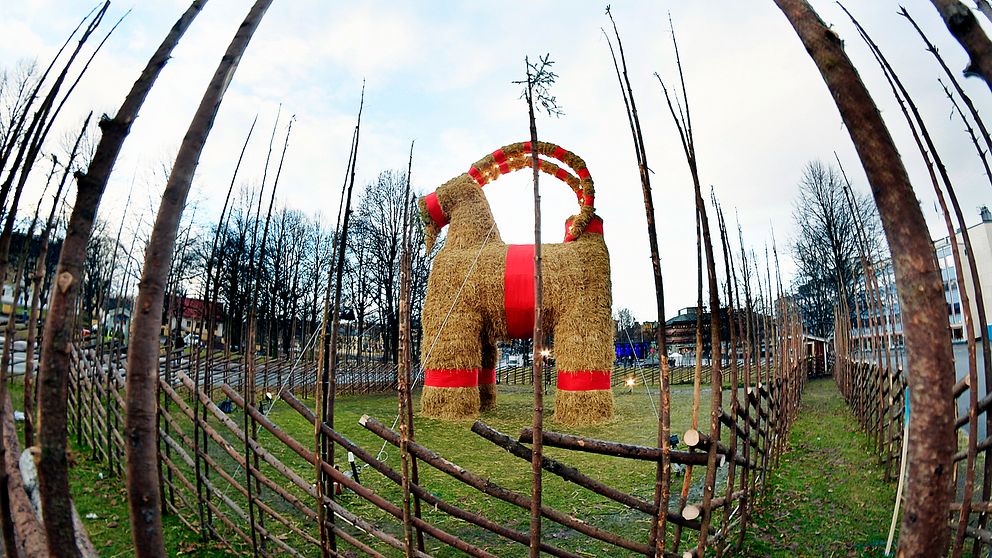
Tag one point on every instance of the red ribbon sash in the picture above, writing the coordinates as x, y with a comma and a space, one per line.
583, 380
518, 291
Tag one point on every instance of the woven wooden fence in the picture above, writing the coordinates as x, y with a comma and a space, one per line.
264, 497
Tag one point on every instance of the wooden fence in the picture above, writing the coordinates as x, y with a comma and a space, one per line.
620, 376
256, 491
876, 395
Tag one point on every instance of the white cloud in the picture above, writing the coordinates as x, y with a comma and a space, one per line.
440, 73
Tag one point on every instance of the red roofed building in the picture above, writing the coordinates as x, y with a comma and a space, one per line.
187, 314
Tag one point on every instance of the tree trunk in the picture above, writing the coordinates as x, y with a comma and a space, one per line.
986, 8
55, 349
963, 24
329, 372
143, 351
537, 421
6, 512
924, 527
200, 437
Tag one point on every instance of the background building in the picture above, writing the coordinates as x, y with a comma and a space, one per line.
887, 314
981, 244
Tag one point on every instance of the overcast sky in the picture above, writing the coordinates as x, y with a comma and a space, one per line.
440, 73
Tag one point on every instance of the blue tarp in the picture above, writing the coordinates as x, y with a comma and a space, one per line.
633, 350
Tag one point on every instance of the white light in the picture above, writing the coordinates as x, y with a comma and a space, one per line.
630, 382
545, 353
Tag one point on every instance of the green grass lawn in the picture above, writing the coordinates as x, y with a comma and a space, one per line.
635, 422
827, 497
103, 495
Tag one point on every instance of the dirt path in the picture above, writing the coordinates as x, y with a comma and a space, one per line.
828, 496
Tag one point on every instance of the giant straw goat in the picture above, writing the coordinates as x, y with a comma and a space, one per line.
481, 291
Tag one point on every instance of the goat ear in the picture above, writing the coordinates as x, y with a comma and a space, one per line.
431, 230
425, 215
431, 211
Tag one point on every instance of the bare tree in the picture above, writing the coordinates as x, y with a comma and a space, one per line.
53, 474
663, 470
16, 85
318, 244
825, 248
359, 281
372, 281
625, 323
381, 211
233, 268
537, 90
291, 238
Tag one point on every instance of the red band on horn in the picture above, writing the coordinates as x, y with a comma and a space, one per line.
559, 153
583, 173
583, 380
468, 377
434, 210
499, 156
474, 173
518, 291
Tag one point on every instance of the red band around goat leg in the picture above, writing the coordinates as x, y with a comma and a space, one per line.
467, 377
487, 376
583, 380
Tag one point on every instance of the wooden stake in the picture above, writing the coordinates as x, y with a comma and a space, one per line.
143, 352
